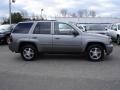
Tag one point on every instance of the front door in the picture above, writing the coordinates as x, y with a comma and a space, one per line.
64, 40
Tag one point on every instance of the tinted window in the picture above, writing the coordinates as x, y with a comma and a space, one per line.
22, 28
63, 29
43, 28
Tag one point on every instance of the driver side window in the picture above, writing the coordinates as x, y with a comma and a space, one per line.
62, 29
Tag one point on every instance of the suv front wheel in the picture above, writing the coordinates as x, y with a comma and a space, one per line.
29, 52
95, 52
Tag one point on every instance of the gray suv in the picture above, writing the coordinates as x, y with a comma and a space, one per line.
37, 37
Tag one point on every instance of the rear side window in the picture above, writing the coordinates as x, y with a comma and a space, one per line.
22, 28
42, 28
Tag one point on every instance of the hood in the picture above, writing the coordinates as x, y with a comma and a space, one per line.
95, 35
98, 32
2, 31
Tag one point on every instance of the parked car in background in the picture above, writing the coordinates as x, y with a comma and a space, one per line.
32, 38
94, 28
114, 32
5, 31
81, 26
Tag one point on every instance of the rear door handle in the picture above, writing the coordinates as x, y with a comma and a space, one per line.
57, 38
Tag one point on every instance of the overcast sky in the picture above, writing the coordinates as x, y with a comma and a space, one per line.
52, 7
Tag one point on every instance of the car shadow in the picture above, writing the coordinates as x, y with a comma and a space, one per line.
56, 57
61, 57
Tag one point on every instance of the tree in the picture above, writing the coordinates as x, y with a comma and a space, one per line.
5, 20
15, 18
73, 15
92, 13
24, 13
85, 13
63, 12
80, 13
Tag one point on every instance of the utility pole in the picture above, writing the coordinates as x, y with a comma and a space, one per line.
41, 14
10, 20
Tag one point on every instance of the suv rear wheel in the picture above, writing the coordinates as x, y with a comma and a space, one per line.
95, 53
29, 52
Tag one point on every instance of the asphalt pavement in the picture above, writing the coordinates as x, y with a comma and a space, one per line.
59, 72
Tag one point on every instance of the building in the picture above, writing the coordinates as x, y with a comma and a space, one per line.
89, 20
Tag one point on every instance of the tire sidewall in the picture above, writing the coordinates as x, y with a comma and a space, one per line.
95, 46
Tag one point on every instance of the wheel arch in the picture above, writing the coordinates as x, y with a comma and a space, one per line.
21, 44
95, 43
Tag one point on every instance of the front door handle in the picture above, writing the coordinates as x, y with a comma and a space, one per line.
34, 37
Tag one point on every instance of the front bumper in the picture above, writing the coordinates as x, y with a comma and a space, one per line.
109, 49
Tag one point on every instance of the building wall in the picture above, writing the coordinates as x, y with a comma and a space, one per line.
89, 20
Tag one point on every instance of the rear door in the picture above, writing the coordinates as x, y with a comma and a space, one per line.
42, 35
64, 40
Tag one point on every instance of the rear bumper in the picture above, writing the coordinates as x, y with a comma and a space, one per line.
11, 47
109, 49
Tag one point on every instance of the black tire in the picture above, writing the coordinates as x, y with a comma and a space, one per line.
27, 57
118, 40
100, 53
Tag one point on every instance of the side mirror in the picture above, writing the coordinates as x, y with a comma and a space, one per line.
75, 33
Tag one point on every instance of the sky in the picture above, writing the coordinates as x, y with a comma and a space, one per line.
104, 8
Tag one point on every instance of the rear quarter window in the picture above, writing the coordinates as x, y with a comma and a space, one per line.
22, 28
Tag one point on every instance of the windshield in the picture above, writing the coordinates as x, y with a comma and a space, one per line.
95, 27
